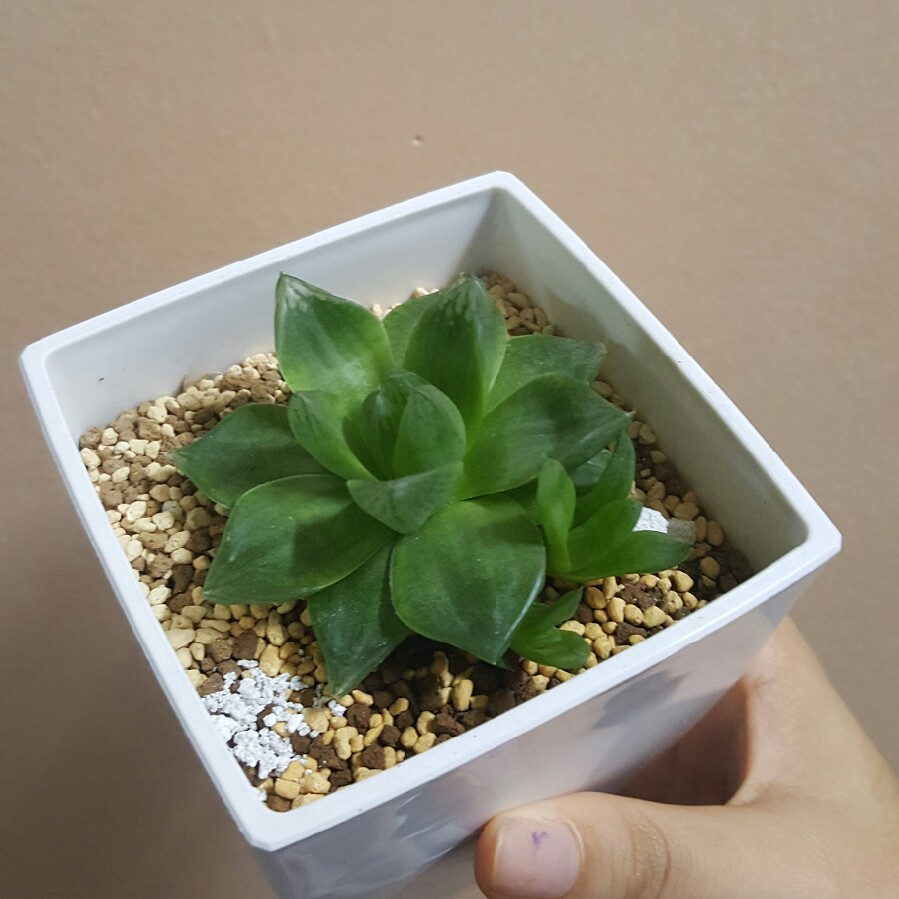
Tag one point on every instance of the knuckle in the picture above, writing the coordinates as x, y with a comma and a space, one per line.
651, 859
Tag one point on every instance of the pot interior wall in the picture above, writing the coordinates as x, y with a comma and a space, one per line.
145, 349
702, 435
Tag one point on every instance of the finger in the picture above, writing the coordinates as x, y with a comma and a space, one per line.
793, 713
593, 844
750, 736
807, 799
773, 730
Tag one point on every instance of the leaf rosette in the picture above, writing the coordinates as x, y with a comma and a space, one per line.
426, 476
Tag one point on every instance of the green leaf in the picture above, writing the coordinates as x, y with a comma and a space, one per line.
467, 577
355, 624
405, 504
399, 322
614, 483
537, 638
248, 447
457, 345
408, 426
327, 343
526, 497
289, 538
549, 614
431, 432
596, 539
533, 355
317, 421
606, 545
553, 416
585, 476
641, 552
555, 504
378, 423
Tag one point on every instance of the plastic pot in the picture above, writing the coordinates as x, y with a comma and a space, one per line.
591, 731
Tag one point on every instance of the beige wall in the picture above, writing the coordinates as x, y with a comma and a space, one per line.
733, 162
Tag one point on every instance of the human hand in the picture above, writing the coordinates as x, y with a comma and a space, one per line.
776, 793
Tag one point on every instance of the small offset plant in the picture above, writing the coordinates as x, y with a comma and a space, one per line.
426, 475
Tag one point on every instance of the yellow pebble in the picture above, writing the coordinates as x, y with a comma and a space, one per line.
615, 609
398, 706
424, 722
685, 511
294, 771
424, 742
287, 789
653, 617
682, 581
461, 694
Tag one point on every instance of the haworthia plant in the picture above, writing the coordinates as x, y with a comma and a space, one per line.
426, 475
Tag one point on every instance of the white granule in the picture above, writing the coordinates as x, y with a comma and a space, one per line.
650, 520
296, 725
263, 750
226, 726
236, 717
685, 531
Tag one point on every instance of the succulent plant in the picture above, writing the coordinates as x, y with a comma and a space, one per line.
426, 475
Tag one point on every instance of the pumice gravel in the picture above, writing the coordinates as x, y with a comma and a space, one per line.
258, 668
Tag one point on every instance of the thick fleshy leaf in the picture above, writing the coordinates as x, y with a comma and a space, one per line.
457, 345
585, 476
431, 432
526, 497
408, 426
399, 322
551, 417
378, 422
555, 505
248, 447
597, 538
606, 545
614, 483
355, 624
533, 355
467, 577
405, 504
561, 649
641, 552
289, 538
317, 421
537, 638
326, 343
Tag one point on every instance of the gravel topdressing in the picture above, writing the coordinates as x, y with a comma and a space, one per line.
258, 668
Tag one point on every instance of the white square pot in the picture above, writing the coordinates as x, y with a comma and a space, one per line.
591, 731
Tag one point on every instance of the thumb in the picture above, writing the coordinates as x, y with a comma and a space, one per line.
597, 845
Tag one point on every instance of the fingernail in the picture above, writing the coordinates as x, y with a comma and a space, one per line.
535, 858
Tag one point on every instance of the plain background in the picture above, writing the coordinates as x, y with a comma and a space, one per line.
733, 162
